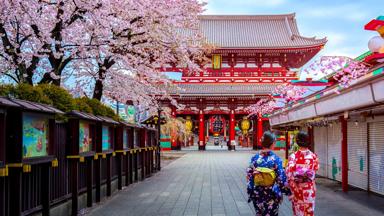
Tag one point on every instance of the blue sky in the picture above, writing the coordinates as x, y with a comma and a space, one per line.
341, 21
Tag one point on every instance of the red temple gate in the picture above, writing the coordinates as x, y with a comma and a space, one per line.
253, 54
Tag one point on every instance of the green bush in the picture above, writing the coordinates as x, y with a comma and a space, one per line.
61, 98
25, 92
56, 97
99, 108
81, 105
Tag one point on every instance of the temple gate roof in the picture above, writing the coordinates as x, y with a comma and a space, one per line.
255, 31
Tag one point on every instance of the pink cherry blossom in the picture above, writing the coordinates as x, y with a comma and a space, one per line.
112, 48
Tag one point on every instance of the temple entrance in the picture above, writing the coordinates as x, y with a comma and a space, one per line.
217, 131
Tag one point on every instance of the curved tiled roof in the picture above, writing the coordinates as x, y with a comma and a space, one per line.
226, 89
255, 31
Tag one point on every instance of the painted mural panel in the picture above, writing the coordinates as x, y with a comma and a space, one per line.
35, 135
106, 139
131, 114
85, 139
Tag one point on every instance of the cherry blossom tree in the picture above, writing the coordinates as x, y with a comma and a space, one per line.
145, 36
40, 38
109, 47
343, 69
281, 95
289, 93
262, 107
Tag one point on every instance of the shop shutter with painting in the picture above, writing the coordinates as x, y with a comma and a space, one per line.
376, 157
334, 151
320, 142
357, 154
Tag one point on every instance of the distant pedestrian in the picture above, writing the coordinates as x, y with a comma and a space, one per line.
301, 171
267, 181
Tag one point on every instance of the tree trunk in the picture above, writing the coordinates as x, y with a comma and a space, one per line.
99, 85
98, 91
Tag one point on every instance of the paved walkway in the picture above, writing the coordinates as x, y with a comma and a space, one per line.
213, 183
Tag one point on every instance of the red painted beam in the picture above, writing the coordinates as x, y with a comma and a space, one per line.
227, 70
373, 58
373, 25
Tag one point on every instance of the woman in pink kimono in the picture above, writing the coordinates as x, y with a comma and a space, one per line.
301, 171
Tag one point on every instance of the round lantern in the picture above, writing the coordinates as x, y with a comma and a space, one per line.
217, 124
376, 44
188, 124
245, 124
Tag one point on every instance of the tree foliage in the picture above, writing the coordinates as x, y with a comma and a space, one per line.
117, 46
57, 97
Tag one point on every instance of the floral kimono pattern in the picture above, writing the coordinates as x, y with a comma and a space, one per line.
301, 170
266, 199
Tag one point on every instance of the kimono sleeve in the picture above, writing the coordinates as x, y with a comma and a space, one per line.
316, 165
281, 179
291, 166
249, 173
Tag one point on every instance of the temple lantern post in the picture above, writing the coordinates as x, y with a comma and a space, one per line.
201, 131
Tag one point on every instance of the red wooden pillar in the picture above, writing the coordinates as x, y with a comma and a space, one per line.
231, 130
255, 136
174, 143
259, 130
201, 131
344, 155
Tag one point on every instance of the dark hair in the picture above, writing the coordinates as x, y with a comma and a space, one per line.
302, 139
268, 139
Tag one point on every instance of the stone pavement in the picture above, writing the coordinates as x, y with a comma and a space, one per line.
213, 183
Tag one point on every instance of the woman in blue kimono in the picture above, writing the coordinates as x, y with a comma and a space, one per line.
266, 199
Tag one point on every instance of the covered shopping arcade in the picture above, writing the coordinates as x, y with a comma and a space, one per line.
346, 129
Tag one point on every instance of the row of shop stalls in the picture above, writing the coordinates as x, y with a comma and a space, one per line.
52, 167
346, 128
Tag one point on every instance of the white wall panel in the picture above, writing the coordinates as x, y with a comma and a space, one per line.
350, 100
378, 90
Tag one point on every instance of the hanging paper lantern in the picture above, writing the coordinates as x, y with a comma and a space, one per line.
216, 124
188, 124
245, 124
376, 43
